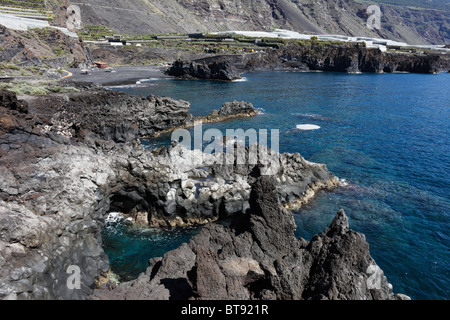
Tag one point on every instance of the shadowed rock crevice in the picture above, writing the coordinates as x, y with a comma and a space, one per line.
179, 289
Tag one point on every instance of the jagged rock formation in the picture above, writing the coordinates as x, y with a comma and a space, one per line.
58, 181
124, 118
191, 187
258, 257
41, 47
347, 17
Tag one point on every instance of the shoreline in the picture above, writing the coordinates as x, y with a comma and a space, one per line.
131, 75
125, 75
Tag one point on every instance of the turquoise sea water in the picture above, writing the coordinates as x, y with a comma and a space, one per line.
387, 135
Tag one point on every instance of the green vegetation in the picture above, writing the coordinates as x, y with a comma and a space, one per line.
27, 4
8, 66
27, 8
59, 52
41, 33
11, 69
39, 88
94, 32
210, 43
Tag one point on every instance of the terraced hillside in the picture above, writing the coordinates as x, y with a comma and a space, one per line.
412, 21
345, 17
35, 9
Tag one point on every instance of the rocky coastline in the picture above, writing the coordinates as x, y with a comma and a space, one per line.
67, 160
316, 56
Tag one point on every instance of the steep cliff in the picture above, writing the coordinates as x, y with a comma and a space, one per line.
323, 56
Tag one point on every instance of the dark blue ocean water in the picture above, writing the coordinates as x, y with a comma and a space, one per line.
387, 135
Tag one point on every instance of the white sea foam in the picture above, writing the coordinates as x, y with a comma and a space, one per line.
343, 182
114, 217
151, 79
307, 127
128, 86
240, 80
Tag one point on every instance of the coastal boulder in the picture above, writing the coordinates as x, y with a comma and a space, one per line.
215, 70
9, 100
230, 110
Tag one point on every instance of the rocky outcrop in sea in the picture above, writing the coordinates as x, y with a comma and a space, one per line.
258, 257
68, 160
220, 69
230, 110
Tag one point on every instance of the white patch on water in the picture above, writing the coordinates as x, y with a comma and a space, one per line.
307, 127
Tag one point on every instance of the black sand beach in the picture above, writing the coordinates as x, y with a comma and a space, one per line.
120, 75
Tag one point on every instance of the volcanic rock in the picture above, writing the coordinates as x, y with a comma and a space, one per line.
258, 257
217, 70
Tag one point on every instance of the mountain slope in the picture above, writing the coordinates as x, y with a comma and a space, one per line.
347, 17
